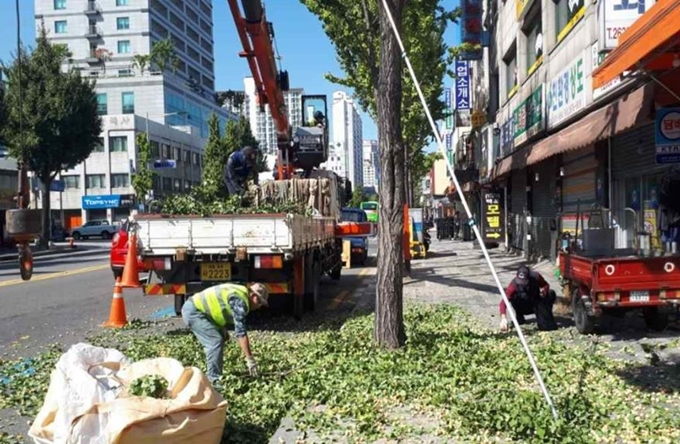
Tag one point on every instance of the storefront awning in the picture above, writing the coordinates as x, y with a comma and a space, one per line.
651, 43
627, 112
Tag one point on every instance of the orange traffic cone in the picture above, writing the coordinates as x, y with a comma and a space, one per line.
118, 315
130, 271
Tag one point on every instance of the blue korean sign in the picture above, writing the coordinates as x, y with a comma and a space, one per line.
667, 131
471, 29
101, 202
507, 137
462, 70
447, 102
449, 136
165, 163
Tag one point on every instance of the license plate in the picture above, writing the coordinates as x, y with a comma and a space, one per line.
216, 271
639, 296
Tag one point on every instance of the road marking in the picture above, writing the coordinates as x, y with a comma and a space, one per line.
55, 275
339, 299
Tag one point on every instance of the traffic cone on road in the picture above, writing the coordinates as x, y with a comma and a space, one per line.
130, 271
118, 315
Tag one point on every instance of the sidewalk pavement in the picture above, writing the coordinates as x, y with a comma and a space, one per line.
59, 249
456, 272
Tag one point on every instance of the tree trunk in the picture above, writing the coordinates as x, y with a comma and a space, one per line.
389, 316
46, 225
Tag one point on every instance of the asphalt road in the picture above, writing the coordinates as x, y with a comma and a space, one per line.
69, 297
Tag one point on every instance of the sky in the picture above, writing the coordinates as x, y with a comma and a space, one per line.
305, 50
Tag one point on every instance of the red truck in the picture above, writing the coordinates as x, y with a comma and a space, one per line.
119, 249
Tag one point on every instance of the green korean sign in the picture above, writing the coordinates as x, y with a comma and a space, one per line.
528, 117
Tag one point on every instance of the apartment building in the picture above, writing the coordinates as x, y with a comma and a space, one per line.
104, 38
347, 136
371, 160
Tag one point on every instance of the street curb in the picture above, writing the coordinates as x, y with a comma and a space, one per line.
56, 254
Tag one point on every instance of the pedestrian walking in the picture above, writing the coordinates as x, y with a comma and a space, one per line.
529, 293
209, 312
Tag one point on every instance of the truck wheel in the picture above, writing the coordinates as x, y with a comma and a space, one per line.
585, 323
312, 287
655, 319
180, 299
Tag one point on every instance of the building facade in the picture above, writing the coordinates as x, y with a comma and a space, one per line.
105, 39
371, 157
554, 143
347, 136
261, 123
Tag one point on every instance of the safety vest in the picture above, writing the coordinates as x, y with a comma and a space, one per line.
214, 301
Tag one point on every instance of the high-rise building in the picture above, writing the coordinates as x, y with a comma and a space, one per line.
347, 136
371, 160
262, 124
108, 40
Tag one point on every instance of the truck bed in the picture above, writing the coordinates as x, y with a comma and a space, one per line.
222, 234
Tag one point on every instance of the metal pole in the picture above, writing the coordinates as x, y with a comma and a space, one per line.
474, 226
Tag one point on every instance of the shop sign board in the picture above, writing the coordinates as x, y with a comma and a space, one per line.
567, 92
493, 227
449, 108
615, 16
462, 85
471, 29
507, 137
528, 117
667, 129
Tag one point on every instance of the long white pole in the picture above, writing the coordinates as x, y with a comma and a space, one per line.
472, 223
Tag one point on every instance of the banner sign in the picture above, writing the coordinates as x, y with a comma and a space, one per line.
462, 85
493, 228
471, 29
449, 108
667, 136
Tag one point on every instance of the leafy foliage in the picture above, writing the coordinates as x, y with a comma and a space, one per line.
142, 178
154, 386
163, 54
215, 155
358, 196
198, 203
61, 126
453, 378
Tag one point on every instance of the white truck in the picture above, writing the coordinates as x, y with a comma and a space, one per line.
288, 253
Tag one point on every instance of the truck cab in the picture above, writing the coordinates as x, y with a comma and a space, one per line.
359, 244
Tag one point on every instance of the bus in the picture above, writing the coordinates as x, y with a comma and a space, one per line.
371, 209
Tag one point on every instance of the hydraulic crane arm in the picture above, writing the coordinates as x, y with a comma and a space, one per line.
256, 37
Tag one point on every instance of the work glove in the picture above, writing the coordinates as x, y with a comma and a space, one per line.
252, 366
504, 324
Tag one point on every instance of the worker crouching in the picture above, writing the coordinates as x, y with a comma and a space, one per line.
209, 312
529, 293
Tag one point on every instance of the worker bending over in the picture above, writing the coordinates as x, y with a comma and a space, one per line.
208, 313
529, 293
240, 165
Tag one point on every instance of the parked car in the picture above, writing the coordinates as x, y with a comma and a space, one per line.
359, 244
95, 228
119, 249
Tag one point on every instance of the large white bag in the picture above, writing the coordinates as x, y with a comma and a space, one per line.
104, 413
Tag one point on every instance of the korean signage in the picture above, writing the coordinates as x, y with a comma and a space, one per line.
667, 135
507, 137
528, 117
615, 16
576, 9
449, 109
101, 202
471, 28
493, 227
462, 90
449, 140
567, 92
598, 58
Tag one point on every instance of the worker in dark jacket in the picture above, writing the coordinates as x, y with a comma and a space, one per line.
239, 167
529, 293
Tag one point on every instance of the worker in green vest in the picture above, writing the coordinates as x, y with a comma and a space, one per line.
209, 312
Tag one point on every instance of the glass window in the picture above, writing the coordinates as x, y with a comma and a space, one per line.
120, 180
567, 14
121, 2
99, 146
167, 184
155, 150
123, 46
60, 27
511, 72
128, 99
71, 182
118, 144
102, 104
59, 4
95, 181
534, 40
123, 23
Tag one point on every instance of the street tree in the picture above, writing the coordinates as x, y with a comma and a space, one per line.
358, 196
369, 55
61, 126
142, 178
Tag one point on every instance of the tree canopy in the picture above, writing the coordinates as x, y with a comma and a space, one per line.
52, 125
